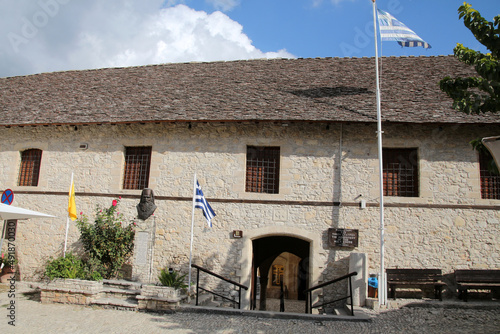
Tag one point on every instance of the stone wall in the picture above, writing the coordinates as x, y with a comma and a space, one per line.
448, 226
70, 291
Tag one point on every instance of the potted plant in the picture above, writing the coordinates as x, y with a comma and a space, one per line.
171, 278
8, 264
166, 294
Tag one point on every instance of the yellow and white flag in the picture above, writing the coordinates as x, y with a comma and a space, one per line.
71, 202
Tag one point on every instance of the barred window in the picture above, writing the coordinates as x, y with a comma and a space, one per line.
490, 181
263, 167
30, 167
400, 172
137, 165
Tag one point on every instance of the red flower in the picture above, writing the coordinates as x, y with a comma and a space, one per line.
81, 213
119, 197
115, 202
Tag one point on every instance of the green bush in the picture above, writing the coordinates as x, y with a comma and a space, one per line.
108, 243
70, 266
171, 278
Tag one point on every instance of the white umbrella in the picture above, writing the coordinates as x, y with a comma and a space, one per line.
8, 212
13, 212
493, 145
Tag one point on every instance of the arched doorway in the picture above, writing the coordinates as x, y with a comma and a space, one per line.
280, 266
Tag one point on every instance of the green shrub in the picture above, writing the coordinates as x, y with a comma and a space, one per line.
108, 243
171, 278
70, 266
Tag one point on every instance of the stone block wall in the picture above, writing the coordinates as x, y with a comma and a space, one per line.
70, 291
448, 225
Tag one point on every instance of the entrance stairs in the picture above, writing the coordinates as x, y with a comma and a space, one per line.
117, 294
122, 295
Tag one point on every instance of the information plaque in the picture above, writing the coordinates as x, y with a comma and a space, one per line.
341, 237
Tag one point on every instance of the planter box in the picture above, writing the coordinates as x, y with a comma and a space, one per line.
70, 291
158, 298
6, 274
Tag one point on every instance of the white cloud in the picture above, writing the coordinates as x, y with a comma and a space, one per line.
224, 5
50, 35
317, 3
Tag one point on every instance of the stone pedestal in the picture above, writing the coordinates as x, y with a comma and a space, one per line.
144, 250
358, 262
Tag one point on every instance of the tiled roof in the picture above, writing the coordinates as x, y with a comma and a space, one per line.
321, 89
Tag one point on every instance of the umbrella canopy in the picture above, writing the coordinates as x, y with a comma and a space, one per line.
493, 145
13, 212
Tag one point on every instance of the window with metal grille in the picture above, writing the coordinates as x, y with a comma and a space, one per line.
137, 164
490, 181
400, 170
30, 167
263, 168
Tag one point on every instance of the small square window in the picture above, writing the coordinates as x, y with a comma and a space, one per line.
137, 165
29, 171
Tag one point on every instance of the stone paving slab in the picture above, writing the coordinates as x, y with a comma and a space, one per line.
33, 317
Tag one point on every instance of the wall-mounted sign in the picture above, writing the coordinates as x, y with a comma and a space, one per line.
8, 197
341, 237
237, 234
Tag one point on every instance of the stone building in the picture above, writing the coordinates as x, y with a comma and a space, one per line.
284, 150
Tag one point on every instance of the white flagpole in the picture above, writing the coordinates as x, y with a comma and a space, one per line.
67, 218
191, 246
382, 286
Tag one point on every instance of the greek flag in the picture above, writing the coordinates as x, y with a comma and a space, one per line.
201, 203
393, 30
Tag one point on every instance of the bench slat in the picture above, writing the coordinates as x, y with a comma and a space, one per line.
476, 279
415, 277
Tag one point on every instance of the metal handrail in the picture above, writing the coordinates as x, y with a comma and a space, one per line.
309, 291
198, 288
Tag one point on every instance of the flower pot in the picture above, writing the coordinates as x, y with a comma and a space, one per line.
7, 274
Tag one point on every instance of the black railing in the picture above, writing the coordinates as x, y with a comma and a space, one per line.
310, 306
198, 288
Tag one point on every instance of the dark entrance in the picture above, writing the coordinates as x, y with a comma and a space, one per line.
282, 264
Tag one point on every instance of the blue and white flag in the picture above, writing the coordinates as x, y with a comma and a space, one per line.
393, 30
201, 203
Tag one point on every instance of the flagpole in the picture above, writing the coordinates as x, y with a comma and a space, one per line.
67, 218
382, 286
191, 245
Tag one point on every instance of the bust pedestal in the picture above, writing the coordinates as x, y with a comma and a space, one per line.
144, 250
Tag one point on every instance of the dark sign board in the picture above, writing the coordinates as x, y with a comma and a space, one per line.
341, 237
237, 234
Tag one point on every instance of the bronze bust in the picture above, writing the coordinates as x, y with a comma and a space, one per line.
146, 206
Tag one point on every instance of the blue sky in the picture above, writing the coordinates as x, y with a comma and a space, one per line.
54, 35
345, 27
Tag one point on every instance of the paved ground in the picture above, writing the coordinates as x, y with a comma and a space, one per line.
33, 317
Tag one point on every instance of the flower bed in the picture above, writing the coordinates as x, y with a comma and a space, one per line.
70, 291
158, 298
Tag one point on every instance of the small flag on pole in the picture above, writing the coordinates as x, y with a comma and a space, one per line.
201, 203
393, 30
71, 202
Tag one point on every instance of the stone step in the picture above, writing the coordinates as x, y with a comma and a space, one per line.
203, 299
119, 293
121, 284
116, 304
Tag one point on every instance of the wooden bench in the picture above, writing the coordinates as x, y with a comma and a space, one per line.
415, 278
480, 279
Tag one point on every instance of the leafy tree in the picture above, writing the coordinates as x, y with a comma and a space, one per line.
108, 243
478, 94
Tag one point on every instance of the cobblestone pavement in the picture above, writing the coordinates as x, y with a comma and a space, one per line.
33, 317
